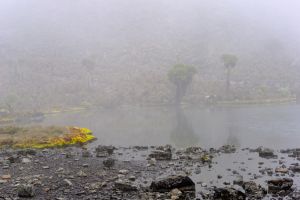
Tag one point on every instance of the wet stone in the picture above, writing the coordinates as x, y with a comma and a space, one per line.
183, 183
238, 180
228, 194
104, 150
254, 191
14, 159
266, 153
277, 185
108, 163
125, 185
228, 149
161, 155
295, 169
86, 154
193, 150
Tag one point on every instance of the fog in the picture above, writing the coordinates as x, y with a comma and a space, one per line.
149, 99
132, 44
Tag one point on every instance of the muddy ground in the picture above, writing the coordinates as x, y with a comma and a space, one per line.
107, 172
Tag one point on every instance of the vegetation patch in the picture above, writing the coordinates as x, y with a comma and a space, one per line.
43, 137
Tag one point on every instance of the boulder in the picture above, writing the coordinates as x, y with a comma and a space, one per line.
182, 183
125, 186
277, 185
228, 194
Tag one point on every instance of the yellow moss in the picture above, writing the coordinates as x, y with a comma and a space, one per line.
50, 137
206, 158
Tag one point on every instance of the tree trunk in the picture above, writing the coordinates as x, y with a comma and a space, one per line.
178, 95
228, 73
180, 92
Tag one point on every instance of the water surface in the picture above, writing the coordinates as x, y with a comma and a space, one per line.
275, 126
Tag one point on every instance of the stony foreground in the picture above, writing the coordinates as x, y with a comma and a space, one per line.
107, 172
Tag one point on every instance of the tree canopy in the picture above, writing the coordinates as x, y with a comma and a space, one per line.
181, 74
229, 60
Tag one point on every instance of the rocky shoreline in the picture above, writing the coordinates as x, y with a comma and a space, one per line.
154, 172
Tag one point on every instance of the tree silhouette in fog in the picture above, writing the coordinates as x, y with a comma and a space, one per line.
89, 66
181, 76
229, 61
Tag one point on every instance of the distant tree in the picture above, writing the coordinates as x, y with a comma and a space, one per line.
10, 103
89, 66
229, 61
181, 76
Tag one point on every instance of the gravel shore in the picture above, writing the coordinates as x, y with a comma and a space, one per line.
156, 172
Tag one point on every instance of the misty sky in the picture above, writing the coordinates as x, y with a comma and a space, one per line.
71, 20
45, 41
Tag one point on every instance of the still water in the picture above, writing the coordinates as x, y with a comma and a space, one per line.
275, 126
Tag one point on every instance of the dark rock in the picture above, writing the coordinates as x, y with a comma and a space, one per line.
228, 149
277, 185
228, 194
292, 152
254, 191
25, 190
85, 165
141, 148
238, 180
69, 155
105, 149
183, 183
14, 159
193, 150
109, 163
25, 152
295, 168
132, 178
296, 152
226, 183
161, 154
86, 154
102, 154
164, 148
266, 153
125, 186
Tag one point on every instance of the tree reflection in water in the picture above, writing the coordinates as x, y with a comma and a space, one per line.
183, 134
232, 138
